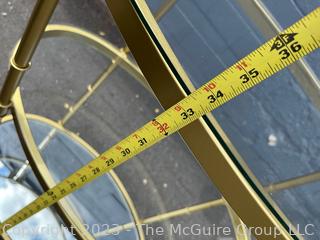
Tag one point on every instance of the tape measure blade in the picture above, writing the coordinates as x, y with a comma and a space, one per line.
297, 41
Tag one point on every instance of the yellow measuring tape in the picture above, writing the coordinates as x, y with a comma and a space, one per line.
295, 42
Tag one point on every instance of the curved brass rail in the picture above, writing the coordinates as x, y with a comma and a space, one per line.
254, 203
40, 169
94, 153
41, 17
120, 58
42, 173
57, 30
242, 191
36, 161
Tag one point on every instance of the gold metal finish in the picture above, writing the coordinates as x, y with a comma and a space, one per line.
59, 30
5, 236
164, 216
23, 54
18, 68
236, 221
184, 211
119, 59
113, 175
42, 172
243, 193
106, 48
74, 108
295, 182
12, 159
90, 90
255, 212
5, 106
164, 8
26, 53
238, 226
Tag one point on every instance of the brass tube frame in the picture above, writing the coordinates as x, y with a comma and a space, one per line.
170, 84
238, 225
166, 216
164, 8
43, 175
236, 221
101, 45
119, 59
20, 61
5, 236
30, 148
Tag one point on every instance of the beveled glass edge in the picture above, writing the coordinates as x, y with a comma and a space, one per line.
170, 84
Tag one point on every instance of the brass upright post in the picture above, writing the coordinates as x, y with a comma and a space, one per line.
20, 61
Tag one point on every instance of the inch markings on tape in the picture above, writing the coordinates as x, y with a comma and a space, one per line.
300, 39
